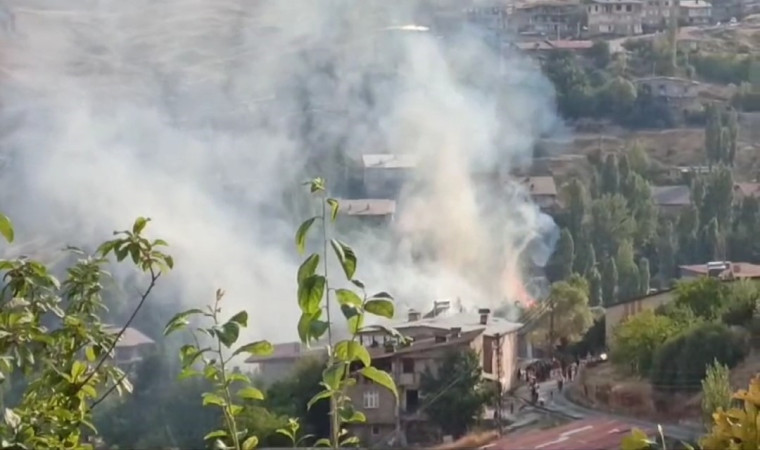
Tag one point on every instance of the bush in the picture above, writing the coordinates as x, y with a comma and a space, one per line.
638, 338
741, 303
681, 362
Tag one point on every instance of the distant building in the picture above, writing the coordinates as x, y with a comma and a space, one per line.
370, 211
543, 192
671, 199
553, 19
495, 340
657, 14
492, 17
680, 94
546, 46
282, 362
385, 174
615, 17
131, 348
725, 270
694, 12
615, 314
745, 190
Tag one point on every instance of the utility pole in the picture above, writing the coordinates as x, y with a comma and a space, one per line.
551, 327
499, 393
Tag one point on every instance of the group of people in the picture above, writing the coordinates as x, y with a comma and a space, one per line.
544, 370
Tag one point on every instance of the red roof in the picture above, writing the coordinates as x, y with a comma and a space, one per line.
587, 434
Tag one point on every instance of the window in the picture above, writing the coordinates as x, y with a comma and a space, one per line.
407, 365
618, 7
371, 400
628, 8
375, 430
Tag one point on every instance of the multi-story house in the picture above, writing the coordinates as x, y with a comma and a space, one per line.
495, 340
615, 17
553, 19
370, 211
694, 12
543, 192
385, 174
657, 14
680, 94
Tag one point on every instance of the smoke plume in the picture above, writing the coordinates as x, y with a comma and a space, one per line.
206, 115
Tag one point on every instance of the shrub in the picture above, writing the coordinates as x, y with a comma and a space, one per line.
680, 363
637, 339
741, 303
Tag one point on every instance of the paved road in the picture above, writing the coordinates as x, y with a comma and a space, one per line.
559, 403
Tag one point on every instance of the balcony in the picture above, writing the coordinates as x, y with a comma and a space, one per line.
408, 379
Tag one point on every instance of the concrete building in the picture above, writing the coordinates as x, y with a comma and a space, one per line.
283, 360
544, 47
495, 340
543, 192
615, 17
615, 314
745, 190
680, 94
657, 14
725, 270
370, 211
385, 174
694, 12
553, 19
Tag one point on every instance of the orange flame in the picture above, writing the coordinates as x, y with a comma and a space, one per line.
515, 290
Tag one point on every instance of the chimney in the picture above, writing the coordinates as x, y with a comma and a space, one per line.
413, 315
484, 313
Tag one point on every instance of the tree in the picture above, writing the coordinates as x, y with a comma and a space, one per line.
585, 256
642, 207
595, 287
577, 206
609, 283
711, 240
716, 391
705, 296
570, 83
687, 226
737, 427
458, 386
53, 340
637, 339
611, 223
610, 175
600, 54
713, 135
638, 159
567, 316
717, 202
289, 397
666, 253
562, 260
628, 273
643, 276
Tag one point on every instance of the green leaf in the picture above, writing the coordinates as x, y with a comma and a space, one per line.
301, 234
180, 321
250, 443
356, 417
358, 284
90, 353
228, 334
353, 440
241, 318
310, 293
383, 308
380, 377
317, 185
637, 440
188, 354
139, 225
6, 228
308, 268
188, 372
212, 399
238, 377
354, 318
250, 393
215, 434
346, 257
304, 325
316, 398
318, 328
348, 297
169, 261
258, 348
332, 375
349, 351
77, 370
324, 442
334, 207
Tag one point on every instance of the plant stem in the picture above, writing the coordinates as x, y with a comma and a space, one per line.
228, 417
334, 425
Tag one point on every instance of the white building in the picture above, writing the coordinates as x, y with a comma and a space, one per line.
615, 17
694, 12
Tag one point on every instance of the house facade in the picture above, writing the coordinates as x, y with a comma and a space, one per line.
131, 348
694, 12
614, 315
385, 174
371, 211
671, 200
615, 17
657, 14
553, 19
494, 340
725, 270
680, 94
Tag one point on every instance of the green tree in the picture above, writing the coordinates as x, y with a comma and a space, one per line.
458, 386
611, 223
567, 316
711, 241
713, 135
65, 368
687, 226
585, 256
705, 296
717, 202
637, 338
595, 287
610, 175
562, 260
628, 272
600, 53
642, 207
289, 397
577, 206
737, 427
610, 282
716, 391
666, 253
638, 159
644, 276
570, 83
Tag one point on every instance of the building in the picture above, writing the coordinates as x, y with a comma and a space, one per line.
585, 434
615, 17
725, 270
554, 19
671, 199
615, 314
495, 340
283, 360
385, 174
492, 18
131, 348
694, 12
657, 14
680, 94
543, 192
543, 47
745, 190
371, 211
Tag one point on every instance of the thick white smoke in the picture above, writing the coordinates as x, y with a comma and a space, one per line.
206, 114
